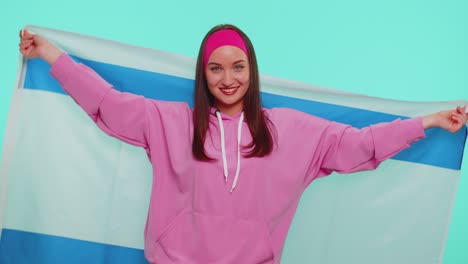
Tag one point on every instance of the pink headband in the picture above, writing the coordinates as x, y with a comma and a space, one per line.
222, 38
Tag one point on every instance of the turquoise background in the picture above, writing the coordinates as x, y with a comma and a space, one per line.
408, 50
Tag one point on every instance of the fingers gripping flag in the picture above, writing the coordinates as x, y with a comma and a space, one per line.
71, 194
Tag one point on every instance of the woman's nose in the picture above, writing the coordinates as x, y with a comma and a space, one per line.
228, 79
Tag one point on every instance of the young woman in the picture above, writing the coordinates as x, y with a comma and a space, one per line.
228, 175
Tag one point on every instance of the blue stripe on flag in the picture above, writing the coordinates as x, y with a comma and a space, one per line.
17, 247
440, 148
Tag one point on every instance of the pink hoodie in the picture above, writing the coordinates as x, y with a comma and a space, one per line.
193, 216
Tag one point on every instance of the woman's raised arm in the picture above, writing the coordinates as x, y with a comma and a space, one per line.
121, 115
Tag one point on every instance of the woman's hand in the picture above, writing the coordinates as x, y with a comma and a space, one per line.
34, 46
450, 120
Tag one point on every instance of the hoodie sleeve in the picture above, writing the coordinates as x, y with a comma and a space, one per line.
347, 149
121, 115
313, 147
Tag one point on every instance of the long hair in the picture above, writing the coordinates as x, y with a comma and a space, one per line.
259, 124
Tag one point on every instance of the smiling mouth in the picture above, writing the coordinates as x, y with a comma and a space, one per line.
229, 91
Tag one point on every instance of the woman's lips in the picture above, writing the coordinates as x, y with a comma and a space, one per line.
229, 90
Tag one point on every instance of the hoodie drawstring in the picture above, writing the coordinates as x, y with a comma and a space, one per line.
223, 148
239, 133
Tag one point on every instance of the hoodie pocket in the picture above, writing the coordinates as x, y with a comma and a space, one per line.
199, 238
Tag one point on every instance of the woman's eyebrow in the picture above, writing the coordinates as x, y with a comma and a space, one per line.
238, 61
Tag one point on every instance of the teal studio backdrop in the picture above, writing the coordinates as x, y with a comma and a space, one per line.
407, 50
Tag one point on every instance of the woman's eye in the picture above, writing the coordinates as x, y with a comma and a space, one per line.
215, 68
239, 67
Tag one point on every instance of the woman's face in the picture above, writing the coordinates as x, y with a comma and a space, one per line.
228, 77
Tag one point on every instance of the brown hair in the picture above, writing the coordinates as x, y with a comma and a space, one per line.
259, 125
